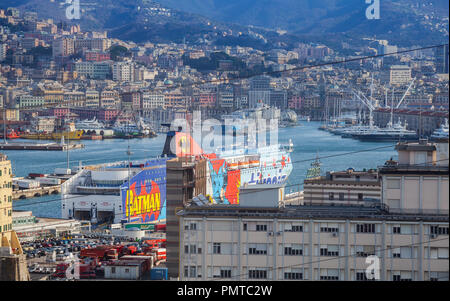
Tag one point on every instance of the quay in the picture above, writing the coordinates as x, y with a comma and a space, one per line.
40, 146
22, 194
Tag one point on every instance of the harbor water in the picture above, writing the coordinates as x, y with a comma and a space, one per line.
335, 153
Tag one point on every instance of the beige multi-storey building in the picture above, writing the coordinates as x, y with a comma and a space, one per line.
306, 244
343, 187
5, 198
418, 182
13, 265
403, 240
398, 75
109, 99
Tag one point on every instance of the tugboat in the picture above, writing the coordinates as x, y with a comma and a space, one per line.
10, 134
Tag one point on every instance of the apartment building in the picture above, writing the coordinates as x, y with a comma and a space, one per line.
152, 100
185, 178
92, 99
407, 230
298, 243
13, 266
5, 198
398, 75
343, 187
63, 47
109, 99
418, 181
123, 71
94, 70
3, 50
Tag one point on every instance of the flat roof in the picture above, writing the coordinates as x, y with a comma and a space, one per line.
354, 212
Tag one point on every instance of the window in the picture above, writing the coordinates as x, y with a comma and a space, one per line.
193, 271
329, 274
293, 276
113, 270
330, 228
365, 228
361, 276
294, 250
225, 273
341, 196
438, 230
331, 250
364, 251
289, 227
257, 274
262, 228
436, 253
297, 228
216, 248
331, 196
396, 253
257, 249
245, 227
360, 196
396, 229
127, 270
193, 226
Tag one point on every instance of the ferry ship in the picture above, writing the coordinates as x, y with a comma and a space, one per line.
118, 192
228, 170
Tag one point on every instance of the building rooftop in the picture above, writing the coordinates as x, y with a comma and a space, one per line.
354, 212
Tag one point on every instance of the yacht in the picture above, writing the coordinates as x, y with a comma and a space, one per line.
396, 132
442, 132
87, 124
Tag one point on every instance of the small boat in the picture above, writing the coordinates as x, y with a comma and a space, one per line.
441, 132
11, 134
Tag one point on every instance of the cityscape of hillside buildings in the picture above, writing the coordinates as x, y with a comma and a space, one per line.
54, 76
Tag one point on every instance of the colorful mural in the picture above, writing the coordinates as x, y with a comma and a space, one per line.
145, 201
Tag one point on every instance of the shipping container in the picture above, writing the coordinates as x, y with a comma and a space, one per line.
36, 175
49, 181
26, 184
158, 274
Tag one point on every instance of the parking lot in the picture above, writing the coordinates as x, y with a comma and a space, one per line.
44, 255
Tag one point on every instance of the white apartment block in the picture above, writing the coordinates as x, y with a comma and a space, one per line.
92, 99
93, 70
109, 99
123, 71
399, 75
152, 100
2, 52
260, 244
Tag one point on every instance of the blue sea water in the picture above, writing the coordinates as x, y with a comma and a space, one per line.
308, 142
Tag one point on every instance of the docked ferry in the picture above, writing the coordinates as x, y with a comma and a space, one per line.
228, 170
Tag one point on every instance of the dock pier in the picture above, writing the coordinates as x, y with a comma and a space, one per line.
22, 194
40, 146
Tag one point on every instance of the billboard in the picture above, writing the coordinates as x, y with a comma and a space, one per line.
144, 198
